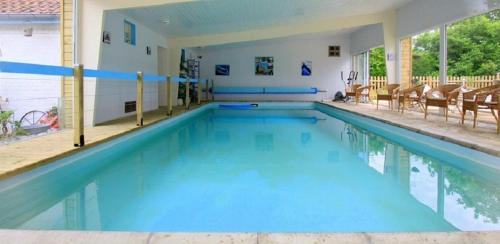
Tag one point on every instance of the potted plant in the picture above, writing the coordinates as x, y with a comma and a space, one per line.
5, 120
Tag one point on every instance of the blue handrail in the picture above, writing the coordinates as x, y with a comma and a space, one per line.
178, 79
39, 69
155, 78
105, 74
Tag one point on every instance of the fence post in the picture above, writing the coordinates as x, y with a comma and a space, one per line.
138, 104
188, 99
212, 89
78, 130
169, 96
206, 90
199, 92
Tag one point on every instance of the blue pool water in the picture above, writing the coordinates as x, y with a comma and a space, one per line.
278, 168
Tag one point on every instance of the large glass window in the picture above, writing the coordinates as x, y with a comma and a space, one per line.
377, 62
360, 65
425, 54
474, 49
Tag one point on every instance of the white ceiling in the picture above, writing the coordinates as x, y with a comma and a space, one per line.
313, 36
223, 16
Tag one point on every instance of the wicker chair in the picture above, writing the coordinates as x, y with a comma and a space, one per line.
476, 99
357, 92
414, 95
448, 96
497, 107
392, 90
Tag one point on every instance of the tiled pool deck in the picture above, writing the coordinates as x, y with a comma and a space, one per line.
24, 155
482, 138
76, 237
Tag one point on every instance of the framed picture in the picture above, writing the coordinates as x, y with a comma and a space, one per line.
106, 37
264, 66
129, 32
306, 68
334, 51
222, 69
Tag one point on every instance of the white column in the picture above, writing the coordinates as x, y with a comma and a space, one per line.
174, 59
443, 55
390, 45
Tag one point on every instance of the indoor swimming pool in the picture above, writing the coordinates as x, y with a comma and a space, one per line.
266, 167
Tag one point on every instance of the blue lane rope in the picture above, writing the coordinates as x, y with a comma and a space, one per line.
36, 69
104, 74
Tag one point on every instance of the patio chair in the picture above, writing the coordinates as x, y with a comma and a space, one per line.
351, 91
358, 91
388, 95
442, 96
476, 99
497, 108
413, 94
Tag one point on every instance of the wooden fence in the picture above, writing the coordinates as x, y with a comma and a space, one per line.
472, 82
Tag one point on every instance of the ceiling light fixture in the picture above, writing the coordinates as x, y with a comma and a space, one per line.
165, 21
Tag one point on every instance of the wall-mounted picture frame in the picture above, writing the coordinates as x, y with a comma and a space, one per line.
129, 32
264, 66
222, 69
333, 51
306, 68
106, 37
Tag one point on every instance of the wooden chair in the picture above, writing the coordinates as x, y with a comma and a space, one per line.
357, 92
414, 95
392, 90
448, 95
497, 107
352, 91
476, 99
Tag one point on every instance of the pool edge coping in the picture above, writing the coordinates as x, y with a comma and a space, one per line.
473, 146
37, 236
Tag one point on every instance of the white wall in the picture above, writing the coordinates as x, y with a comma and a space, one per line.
110, 95
366, 38
288, 54
162, 70
420, 15
30, 92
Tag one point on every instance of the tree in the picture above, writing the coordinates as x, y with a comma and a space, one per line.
377, 62
473, 48
426, 54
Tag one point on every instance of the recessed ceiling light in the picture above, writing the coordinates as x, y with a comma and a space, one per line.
165, 21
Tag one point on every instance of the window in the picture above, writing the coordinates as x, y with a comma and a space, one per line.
425, 54
129, 32
474, 49
334, 51
377, 62
360, 65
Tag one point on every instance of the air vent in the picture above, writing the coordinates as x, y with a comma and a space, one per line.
130, 106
